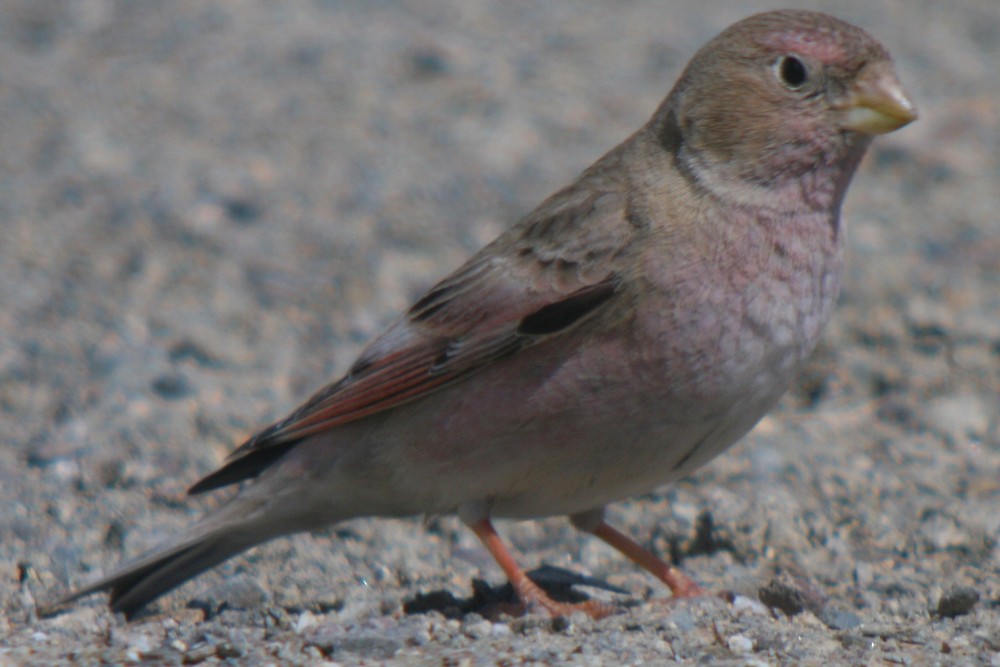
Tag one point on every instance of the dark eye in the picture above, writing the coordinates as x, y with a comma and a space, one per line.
792, 72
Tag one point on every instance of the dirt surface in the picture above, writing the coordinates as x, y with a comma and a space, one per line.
207, 208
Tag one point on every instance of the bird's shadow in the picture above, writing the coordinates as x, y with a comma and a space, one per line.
491, 601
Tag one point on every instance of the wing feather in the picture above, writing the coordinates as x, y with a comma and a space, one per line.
539, 279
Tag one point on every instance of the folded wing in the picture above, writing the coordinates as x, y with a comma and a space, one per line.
542, 277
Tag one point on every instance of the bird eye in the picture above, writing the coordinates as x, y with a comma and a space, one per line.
792, 72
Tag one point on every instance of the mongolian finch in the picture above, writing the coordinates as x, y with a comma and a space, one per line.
626, 331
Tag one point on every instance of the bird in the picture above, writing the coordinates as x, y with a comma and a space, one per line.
626, 331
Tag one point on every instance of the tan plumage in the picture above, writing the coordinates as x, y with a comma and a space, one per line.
633, 326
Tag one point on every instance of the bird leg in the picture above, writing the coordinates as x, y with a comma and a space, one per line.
528, 592
681, 585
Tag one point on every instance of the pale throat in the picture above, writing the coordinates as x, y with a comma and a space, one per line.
789, 187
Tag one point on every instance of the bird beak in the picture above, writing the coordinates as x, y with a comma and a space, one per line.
876, 103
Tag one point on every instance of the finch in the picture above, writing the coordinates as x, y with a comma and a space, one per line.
633, 326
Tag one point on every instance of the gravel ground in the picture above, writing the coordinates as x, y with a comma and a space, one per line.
207, 208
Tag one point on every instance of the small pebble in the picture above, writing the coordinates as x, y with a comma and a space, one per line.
740, 644
199, 654
746, 605
839, 619
479, 629
306, 620
500, 630
781, 596
957, 602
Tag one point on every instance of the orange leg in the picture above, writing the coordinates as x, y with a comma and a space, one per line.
528, 592
681, 585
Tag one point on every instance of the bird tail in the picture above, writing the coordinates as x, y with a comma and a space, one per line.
136, 584
216, 538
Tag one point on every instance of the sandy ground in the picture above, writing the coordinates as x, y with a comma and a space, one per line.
207, 208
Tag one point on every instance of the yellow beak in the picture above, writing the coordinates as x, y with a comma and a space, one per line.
876, 103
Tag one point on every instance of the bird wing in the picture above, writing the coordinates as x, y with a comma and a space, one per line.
544, 275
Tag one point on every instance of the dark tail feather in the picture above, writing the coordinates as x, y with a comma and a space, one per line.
137, 588
145, 580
